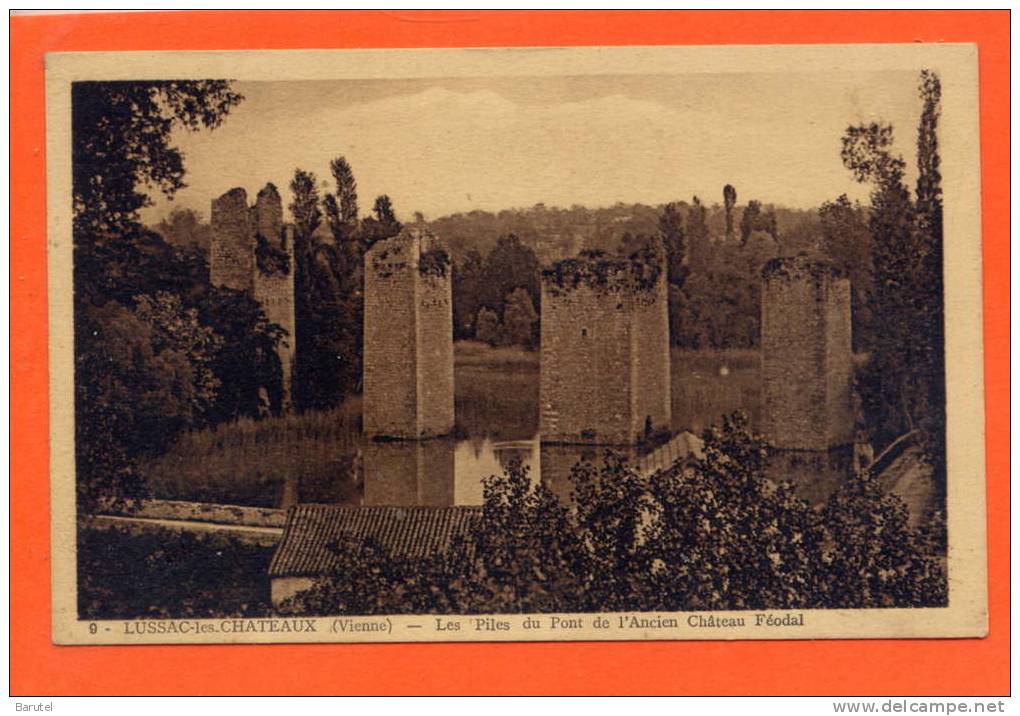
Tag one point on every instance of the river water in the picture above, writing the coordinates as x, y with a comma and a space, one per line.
437, 472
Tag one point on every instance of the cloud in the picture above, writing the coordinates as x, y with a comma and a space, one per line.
443, 149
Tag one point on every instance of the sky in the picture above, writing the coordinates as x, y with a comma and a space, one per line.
442, 146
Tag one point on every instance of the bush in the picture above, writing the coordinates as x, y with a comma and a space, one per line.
487, 326
713, 535
519, 320
166, 574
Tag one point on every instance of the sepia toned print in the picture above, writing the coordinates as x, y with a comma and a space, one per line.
640, 343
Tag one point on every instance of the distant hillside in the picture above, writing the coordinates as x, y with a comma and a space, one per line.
555, 233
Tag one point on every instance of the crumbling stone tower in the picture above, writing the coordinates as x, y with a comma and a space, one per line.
252, 250
232, 250
605, 369
807, 357
408, 351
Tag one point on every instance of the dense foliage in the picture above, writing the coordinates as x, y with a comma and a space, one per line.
714, 534
903, 385
329, 283
165, 574
157, 349
120, 143
506, 279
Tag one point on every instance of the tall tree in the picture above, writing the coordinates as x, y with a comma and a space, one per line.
889, 384
671, 231
729, 201
467, 293
697, 235
340, 336
305, 205
308, 284
930, 298
754, 219
341, 208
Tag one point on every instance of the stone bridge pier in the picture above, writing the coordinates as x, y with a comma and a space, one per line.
806, 355
807, 374
252, 250
408, 344
605, 366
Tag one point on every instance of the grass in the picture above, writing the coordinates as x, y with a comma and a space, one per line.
309, 457
475, 354
265, 463
707, 384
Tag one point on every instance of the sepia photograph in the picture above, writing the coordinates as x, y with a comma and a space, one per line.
509, 344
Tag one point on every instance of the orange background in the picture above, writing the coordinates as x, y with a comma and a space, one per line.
894, 667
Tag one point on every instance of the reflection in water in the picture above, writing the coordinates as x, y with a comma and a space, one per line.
439, 472
408, 473
447, 472
476, 459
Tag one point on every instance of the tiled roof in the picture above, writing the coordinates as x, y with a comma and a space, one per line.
404, 531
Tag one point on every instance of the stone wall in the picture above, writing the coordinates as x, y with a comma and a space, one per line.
604, 352
408, 349
237, 233
806, 355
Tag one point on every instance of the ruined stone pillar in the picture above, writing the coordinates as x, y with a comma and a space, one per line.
252, 250
605, 371
231, 256
267, 214
806, 355
408, 345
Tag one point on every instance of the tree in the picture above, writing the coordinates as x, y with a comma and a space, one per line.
889, 384
519, 320
755, 219
184, 228
317, 290
304, 208
698, 236
930, 306
729, 201
671, 232
176, 328
871, 556
710, 534
846, 241
487, 328
142, 376
341, 211
121, 134
508, 266
334, 361
467, 293
381, 225
246, 363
